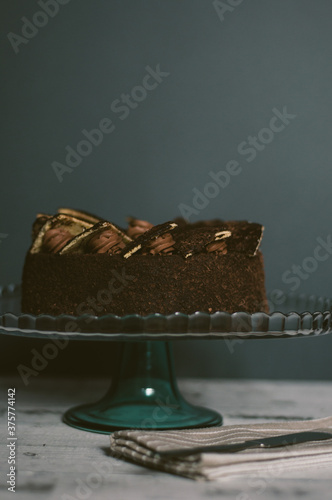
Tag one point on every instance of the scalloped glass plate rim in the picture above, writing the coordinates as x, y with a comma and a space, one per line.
199, 325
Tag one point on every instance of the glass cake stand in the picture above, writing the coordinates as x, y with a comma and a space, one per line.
144, 393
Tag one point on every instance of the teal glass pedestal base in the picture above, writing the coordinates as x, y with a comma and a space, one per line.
143, 395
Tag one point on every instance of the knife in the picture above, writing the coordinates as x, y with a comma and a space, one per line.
270, 442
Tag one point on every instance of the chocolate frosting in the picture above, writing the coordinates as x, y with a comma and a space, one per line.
55, 239
138, 227
106, 242
163, 244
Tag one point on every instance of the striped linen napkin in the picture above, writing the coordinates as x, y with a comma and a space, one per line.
142, 446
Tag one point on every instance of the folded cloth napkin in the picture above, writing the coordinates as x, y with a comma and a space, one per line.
142, 447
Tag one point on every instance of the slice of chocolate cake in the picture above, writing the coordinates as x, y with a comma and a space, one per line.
82, 264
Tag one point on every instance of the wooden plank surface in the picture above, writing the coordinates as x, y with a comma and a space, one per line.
57, 462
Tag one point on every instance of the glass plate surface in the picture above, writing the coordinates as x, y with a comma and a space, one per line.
296, 316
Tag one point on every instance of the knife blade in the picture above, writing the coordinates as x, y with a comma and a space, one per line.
270, 442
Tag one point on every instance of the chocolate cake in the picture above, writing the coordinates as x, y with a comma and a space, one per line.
81, 264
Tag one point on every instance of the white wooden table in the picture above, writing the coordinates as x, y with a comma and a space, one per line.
58, 462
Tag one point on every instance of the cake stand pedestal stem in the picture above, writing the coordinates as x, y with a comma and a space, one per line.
143, 395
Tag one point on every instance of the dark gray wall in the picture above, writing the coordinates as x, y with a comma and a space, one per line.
227, 72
